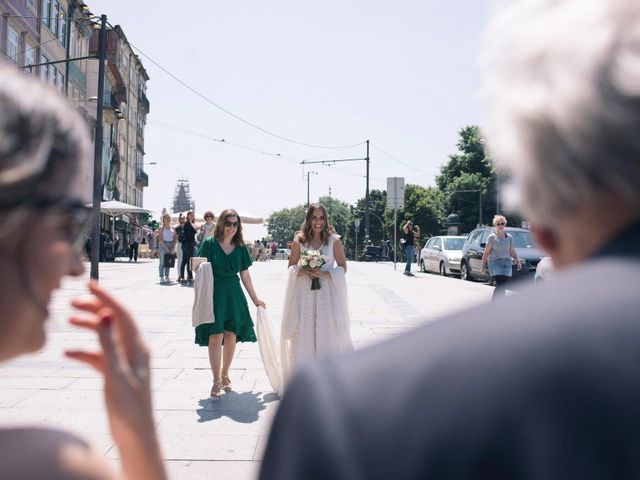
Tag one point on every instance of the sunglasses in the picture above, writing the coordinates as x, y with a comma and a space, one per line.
500, 224
70, 216
228, 224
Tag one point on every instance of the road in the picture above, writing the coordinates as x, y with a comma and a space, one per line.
203, 438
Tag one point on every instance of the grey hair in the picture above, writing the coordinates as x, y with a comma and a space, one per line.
562, 82
42, 139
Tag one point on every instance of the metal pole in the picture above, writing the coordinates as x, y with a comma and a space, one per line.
480, 208
72, 7
97, 156
366, 199
395, 237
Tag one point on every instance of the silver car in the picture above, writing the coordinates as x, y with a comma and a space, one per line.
442, 254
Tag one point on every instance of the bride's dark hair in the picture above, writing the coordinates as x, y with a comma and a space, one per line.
304, 234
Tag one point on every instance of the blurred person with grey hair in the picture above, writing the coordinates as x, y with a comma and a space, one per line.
42, 141
540, 385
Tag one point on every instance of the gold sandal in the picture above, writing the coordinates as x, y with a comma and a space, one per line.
226, 387
216, 389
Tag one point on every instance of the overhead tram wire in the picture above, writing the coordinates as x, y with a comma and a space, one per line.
401, 162
219, 140
237, 117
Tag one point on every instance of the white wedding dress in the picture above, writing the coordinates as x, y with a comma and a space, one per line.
314, 322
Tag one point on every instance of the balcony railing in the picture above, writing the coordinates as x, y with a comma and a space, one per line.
142, 98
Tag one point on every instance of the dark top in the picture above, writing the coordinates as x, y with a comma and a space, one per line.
409, 238
179, 232
542, 385
189, 233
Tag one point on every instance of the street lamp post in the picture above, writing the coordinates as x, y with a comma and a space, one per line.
97, 154
308, 187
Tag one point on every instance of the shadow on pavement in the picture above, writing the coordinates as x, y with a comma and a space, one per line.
241, 407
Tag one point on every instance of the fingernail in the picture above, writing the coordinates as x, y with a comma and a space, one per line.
106, 321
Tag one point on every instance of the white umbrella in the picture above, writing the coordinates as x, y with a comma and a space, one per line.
114, 207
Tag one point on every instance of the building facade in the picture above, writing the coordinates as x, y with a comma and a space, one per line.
39, 36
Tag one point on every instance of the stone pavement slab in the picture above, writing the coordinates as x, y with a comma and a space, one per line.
202, 437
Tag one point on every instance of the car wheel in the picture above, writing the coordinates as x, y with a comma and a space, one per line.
464, 272
443, 270
422, 267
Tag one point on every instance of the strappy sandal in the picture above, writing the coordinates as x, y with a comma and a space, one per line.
216, 390
226, 387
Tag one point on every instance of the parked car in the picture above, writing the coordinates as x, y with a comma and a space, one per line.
283, 253
473, 249
442, 254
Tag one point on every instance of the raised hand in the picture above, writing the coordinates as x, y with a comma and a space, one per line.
124, 362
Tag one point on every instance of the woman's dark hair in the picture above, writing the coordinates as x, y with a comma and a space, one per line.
304, 234
218, 230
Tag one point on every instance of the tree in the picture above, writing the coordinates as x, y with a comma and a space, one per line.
340, 217
470, 169
423, 206
283, 224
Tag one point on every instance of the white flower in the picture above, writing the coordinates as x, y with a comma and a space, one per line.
313, 264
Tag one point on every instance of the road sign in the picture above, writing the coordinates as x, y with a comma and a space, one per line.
395, 192
357, 222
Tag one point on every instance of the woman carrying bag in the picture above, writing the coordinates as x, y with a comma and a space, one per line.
166, 249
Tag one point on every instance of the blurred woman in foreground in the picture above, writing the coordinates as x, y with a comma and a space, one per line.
42, 142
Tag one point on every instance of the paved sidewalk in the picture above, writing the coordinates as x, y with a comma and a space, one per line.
203, 438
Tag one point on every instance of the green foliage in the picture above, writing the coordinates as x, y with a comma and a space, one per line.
283, 224
469, 169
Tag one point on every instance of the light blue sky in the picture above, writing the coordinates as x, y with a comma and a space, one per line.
403, 75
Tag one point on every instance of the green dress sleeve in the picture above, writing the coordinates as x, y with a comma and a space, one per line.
245, 259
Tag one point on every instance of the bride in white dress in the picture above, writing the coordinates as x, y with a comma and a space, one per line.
315, 322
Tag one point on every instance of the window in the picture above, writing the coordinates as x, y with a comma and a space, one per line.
46, 12
12, 45
55, 14
61, 82
32, 4
29, 59
53, 74
44, 69
429, 243
62, 34
438, 243
485, 237
453, 243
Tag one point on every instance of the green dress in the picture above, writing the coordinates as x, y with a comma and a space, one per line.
229, 303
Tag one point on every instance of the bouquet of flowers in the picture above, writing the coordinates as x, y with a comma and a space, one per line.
313, 260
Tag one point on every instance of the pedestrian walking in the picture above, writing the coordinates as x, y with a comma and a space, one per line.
206, 230
498, 254
135, 243
188, 247
43, 145
411, 235
179, 238
166, 248
230, 262
153, 242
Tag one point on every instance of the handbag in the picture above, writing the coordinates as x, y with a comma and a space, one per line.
194, 262
169, 260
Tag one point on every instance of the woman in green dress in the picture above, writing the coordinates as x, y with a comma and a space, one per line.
228, 255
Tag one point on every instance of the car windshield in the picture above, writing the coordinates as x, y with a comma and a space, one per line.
523, 239
453, 243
